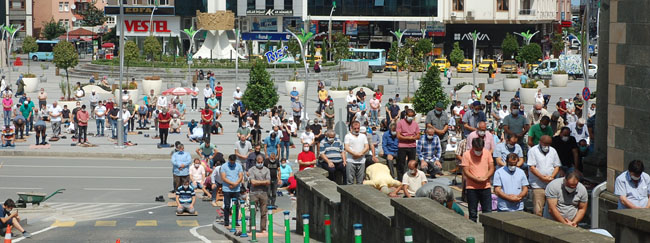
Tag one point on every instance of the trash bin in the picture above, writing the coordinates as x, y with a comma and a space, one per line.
481, 86
345, 77
369, 75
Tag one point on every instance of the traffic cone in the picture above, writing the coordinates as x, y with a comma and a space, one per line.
8, 234
118, 240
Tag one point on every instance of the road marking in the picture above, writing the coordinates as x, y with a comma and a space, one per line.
109, 223
197, 235
146, 223
100, 203
35, 233
1, 164
112, 189
85, 167
88, 177
20, 188
64, 223
187, 223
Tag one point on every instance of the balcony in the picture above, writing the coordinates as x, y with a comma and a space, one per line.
529, 12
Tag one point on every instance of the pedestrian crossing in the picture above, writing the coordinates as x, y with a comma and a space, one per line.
128, 223
98, 211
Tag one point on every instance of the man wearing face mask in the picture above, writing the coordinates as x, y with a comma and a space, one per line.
408, 133
429, 153
332, 155
631, 187
543, 164
271, 144
389, 147
557, 123
478, 167
273, 164
413, 179
510, 185
516, 125
181, 162
567, 149
356, 144
482, 133
260, 179
506, 148
242, 149
306, 158
578, 130
471, 119
252, 157
567, 200
232, 175
535, 115
164, 119
439, 121
538, 130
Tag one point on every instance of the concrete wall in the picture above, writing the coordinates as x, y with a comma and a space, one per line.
520, 227
630, 225
318, 196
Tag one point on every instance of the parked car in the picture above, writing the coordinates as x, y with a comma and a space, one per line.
466, 66
509, 66
593, 70
571, 64
442, 64
486, 64
390, 66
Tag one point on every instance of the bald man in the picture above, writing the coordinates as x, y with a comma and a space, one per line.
535, 115
544, 164
483, 133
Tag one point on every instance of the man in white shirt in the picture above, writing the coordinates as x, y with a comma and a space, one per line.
579, 131
55, 119
293, 127
94, 98
162, 102
544, 164
207, 93
356, 145
413, 179
100, 114
126, 116
237, 94
307, 137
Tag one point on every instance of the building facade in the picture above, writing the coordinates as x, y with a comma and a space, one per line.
20, 12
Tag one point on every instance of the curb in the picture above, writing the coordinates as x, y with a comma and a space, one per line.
86, 155
220, 229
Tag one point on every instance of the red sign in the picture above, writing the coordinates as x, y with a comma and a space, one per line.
565, 24
143, 26
586, 93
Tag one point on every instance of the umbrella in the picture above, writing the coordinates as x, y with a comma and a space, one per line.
179, 91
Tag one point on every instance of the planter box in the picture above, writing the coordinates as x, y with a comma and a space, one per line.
338, 94
31, 84
300, 87
148, 85
490, 80
527, 95
559, 80
511, 84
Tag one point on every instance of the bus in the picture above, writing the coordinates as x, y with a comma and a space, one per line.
44, 52
376, 58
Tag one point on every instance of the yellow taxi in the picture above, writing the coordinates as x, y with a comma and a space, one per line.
465, 66
442, 64
531, 66
486, 64
509, 66
390, 66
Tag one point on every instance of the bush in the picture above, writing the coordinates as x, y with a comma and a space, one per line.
130, 86
461, 85
29, 75
430, 92
531, 84
512, 76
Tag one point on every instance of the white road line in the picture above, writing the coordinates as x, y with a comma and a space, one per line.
129, 212
99, 203
89, 177
20, 188
35, 233
197, 235
86, 167
112, 189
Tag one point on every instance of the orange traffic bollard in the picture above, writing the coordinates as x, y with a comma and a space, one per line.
8, 234
118, 240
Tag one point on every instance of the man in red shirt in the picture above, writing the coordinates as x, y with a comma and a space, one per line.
163, 125
218, 93
82, 117
306, 158
206, 120
109, 106
408, 133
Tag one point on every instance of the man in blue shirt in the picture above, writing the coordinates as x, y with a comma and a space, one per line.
9, 218
294, 94
232, 175
185, 198
181, 165
212, 80
271, 144
389, 146
332, 157
632, 187
429, 152
510, 185
502, 151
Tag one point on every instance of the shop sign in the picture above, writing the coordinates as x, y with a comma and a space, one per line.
141, 11
160, 26
468, 36
272, 56
269, 12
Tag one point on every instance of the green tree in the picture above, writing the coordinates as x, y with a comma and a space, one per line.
557, 44
530, 53
131, 53
312, 52
260, 92
430, 92
29, 45
509, 45
294, 48
457, 55
52, 29
152, 47
65, 57
422, 49
110, 36
93, 16
392, 52
341, 50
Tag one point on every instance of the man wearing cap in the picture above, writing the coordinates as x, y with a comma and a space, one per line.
471, 119
237, 94
578, 130
439, 121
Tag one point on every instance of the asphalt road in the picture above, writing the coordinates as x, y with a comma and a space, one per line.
105, 199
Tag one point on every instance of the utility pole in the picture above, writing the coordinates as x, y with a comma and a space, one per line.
585, 55
120, 121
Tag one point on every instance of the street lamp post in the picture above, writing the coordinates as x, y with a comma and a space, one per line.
399, 35
120, 121
474, 40
329, 32
237, 57
11, 31
156, 3
191, 33
585, 55
527, 37
303, 39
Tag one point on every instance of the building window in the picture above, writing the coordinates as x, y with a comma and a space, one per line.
459, 5
60, 6
288, 4
18, 4
250, 4
66, 7
160, 2
502, 5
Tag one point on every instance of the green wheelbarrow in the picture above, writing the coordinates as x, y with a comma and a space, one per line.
34, 198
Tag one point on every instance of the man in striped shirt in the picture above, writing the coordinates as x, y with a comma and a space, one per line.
185, 198
332, 157
429, 152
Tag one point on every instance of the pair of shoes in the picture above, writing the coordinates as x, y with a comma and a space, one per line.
27, 234
44, 143
214, 204
160, 199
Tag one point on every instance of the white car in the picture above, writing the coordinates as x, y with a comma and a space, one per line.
593, 70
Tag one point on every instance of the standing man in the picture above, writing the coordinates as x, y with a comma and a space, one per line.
94, 98
567, 200
55, 119
329, 115
332, 155
516, 125
503, 150
392, 112
471, 119
242, 149
429, 152
181, 162
482, 133
271, 144
218, 93
83, 116
510, 185
567, 149
163, 125
439, 121
374, 111
631, 187
356, 145
212, 79
237, 94
232, 175
207, 93
213, 104
296, 106
408, 133
260, 179
478, 167
113, 116
389, 146
294, 94
100, 117
42, 98
273, 163
543, 164
538, 130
